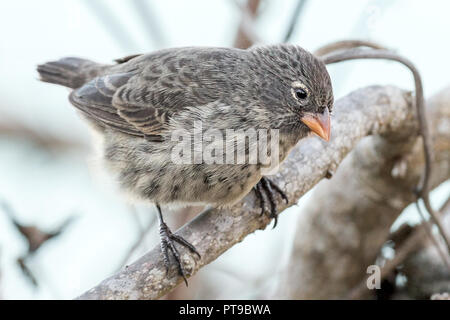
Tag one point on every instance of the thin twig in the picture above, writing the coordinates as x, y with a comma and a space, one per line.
112, 24
424, 195
294, 19
246, 35
143, 232
432, 238
35, 236
446, 206
149, 20
345, 45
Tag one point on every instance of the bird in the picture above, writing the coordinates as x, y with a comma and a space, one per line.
137, 103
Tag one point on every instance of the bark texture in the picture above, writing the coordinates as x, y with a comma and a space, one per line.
376, 110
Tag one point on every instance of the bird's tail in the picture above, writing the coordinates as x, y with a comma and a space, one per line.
70, 72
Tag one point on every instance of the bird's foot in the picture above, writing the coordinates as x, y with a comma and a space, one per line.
267, 188
168, 240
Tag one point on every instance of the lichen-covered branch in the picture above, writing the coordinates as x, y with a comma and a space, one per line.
347, 219
369, 111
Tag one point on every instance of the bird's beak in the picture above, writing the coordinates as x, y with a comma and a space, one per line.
318, 123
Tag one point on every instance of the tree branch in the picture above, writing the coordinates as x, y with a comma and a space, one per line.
341, 230
372, 110
422, 191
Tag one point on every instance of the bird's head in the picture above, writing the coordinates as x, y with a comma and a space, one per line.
295, 87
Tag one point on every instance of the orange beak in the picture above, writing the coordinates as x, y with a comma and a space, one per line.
318, 123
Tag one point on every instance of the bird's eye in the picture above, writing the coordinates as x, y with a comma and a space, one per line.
300, 94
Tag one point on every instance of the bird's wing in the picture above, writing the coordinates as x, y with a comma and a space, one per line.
126, 102
141, 95
95, 101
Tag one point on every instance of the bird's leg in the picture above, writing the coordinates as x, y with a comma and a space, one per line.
259, 195
168, 240
266, 187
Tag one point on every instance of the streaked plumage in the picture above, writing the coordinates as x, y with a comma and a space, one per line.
140, 102
137, 103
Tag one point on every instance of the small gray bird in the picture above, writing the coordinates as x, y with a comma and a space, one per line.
139, 102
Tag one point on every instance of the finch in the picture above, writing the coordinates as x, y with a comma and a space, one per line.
140, 102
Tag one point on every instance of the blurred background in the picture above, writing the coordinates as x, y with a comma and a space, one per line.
63, 226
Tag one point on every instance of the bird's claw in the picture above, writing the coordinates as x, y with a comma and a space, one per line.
168, 240
268, 188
